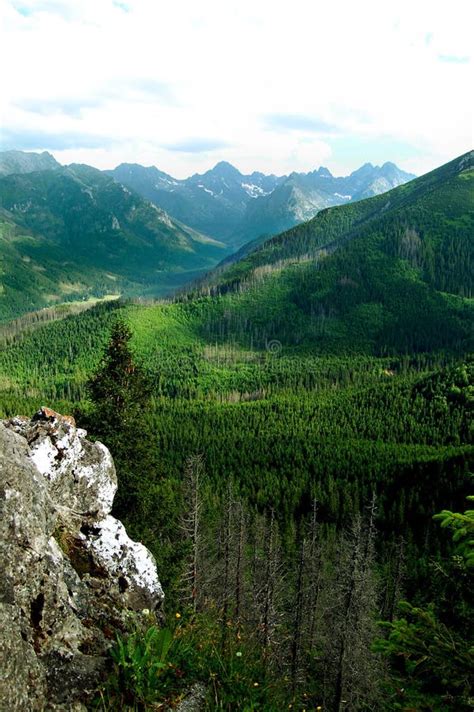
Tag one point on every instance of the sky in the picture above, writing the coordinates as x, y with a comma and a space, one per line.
264, 84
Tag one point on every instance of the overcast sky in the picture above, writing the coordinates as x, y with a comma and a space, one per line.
267, 85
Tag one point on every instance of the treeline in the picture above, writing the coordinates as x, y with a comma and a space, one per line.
13, 331
361, 299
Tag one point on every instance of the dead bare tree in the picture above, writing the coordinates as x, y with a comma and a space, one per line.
239, 592
265, 607
352, 669
297, 618
313, 576
394, 580
192, 529
227, 563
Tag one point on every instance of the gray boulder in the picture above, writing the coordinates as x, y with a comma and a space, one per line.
71, 576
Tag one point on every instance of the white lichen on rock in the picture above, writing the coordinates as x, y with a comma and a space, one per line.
111, 547
82, 473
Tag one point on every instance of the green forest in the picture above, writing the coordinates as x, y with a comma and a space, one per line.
293, 439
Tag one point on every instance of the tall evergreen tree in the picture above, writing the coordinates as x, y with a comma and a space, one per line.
120, 388
120, 391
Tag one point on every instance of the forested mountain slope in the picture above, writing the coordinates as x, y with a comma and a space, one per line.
391, 273
69, 232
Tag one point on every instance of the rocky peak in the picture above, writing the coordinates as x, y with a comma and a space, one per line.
364, 170
324, 172
70, 573
225, 170
26, 162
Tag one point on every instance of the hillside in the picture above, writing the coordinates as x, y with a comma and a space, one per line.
237, 208
394, 272
73, 232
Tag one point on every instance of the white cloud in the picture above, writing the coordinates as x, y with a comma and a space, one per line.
147, 76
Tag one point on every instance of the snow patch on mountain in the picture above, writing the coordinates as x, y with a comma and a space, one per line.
254, 191
207, 190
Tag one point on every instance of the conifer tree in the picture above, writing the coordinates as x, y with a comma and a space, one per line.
120, 392
120, 388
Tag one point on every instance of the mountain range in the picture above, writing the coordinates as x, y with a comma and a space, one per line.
236, 208
339, 279
71, 232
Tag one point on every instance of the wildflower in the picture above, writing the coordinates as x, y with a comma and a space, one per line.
255, 684
239, 653
177, 616
146, 612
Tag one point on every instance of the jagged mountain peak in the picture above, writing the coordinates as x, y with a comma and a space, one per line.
225, 170
391, 169
127, 173
221, 171
259, 175
365, 169
324, 172
137, 166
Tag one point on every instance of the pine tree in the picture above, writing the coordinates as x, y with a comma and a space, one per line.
120, 392
120, 388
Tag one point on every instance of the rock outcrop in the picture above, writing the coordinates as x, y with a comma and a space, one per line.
70, 575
